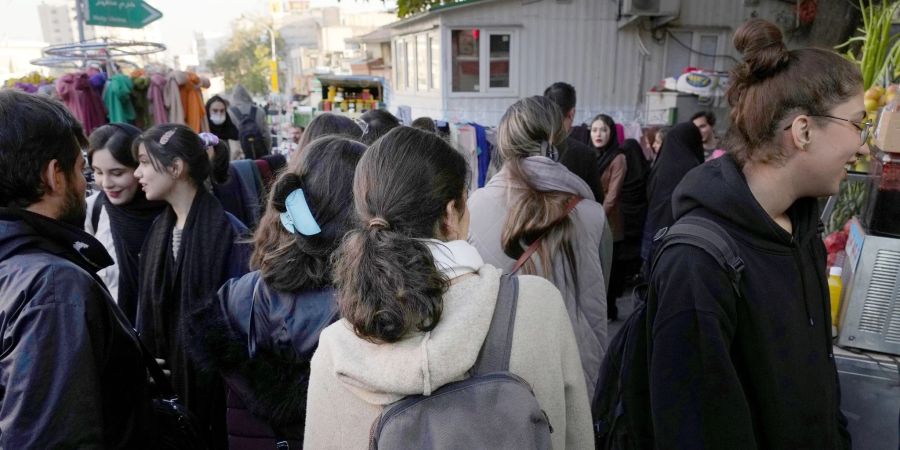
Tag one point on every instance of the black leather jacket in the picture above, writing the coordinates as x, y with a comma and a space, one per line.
261, 341
70, 375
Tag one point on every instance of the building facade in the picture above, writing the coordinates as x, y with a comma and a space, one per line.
469, 61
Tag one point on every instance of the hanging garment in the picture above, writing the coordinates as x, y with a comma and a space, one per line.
93, 113
483, 153
192, 100
172, 95
65, 88
467, 145
140, 101
157, 98
117, 98
633, 130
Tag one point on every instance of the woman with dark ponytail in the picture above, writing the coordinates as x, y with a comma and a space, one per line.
192, 248
261, 332
751, 365
416, 303
534, 201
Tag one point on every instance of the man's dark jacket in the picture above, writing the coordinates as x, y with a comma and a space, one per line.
582, 161
70, 375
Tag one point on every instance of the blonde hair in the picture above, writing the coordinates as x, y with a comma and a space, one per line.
528, 128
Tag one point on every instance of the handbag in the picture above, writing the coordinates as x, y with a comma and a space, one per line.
570, 206
175, 428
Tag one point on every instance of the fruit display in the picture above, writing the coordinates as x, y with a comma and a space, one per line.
851, 199
876, 97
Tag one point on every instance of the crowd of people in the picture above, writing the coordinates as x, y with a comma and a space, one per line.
372, 274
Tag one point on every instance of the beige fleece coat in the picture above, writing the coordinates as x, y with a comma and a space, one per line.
352, 379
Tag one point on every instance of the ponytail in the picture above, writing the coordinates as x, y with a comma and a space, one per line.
387, 278
523, 128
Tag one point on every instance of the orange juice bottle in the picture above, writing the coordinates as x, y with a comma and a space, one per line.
835, 286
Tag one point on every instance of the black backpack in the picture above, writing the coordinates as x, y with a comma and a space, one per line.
621, 404
252, 142
493, 409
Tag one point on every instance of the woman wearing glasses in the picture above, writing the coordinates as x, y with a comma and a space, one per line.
757, 370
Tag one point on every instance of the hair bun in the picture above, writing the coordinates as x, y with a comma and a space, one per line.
762, 44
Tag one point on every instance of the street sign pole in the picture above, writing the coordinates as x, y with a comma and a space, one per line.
79, 17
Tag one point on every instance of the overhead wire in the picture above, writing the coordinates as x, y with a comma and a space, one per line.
698, 52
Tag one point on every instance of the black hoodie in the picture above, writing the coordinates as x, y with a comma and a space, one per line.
751, 373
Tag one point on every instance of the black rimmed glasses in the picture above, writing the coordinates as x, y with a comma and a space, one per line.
864, 127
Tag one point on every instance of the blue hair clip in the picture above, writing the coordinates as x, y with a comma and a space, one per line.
299, 218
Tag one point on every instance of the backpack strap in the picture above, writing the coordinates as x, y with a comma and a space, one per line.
95, 213
708, 236
570, 206
494, 354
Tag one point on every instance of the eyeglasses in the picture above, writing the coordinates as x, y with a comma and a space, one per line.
864, 127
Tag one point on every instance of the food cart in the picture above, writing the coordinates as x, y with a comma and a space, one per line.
868, 326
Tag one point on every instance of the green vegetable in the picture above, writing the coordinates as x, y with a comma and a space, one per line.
880, 51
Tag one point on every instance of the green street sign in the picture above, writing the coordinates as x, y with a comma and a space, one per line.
120, 13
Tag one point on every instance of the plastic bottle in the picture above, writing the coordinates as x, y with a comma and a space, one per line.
835, 286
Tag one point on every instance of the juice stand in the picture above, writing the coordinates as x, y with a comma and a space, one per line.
349, 95
868, 319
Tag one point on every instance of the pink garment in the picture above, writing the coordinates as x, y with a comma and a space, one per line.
172, 93
93, 112
620, 133
157, 98
65, 87
718, 153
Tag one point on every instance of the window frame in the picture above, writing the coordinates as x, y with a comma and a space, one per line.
696, 35
406, 70
484, 40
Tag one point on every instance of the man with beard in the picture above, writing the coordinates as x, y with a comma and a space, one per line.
71, 373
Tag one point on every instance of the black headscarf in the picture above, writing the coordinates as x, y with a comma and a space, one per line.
634, 189
129, 225
682, 150
226, 131
607, 153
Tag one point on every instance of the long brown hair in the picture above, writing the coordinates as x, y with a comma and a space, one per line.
526, 129
387, 279
772, 83
294, 262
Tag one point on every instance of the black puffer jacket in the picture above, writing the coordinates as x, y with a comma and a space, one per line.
750, 373
262, 348
70, 375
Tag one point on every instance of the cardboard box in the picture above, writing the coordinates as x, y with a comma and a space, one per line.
887, 132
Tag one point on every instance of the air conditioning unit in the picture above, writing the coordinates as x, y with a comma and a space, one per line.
651, 7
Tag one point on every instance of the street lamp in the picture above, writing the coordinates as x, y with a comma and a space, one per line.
273, 64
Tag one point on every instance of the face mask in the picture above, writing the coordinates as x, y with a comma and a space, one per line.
217, 119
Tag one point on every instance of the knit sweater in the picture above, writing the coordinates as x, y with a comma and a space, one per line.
352, 380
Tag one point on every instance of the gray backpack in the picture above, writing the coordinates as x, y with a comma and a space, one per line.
492, 409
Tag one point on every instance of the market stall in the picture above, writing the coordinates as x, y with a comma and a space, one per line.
350, 95
864, 255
